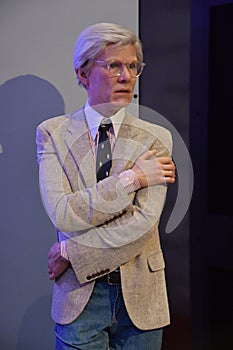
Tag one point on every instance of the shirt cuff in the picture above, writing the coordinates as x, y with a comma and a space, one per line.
130, 181
64, 253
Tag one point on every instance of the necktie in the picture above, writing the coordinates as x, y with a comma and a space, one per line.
104, 154
104, 157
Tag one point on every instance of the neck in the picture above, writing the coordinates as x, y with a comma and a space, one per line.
108, 109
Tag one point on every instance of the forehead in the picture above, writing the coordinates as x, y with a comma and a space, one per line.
121, 52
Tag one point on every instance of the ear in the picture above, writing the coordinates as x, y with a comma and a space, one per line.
81, 74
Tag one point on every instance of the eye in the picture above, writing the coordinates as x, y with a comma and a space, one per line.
132, 65
115, 65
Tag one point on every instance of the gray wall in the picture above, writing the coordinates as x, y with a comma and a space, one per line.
37, 82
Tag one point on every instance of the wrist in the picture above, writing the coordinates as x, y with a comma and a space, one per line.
64, 253
129, 180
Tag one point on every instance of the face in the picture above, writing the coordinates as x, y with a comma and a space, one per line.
115, 92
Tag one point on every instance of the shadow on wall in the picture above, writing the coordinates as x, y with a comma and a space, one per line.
26, 232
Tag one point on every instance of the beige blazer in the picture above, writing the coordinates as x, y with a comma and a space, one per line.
104, 226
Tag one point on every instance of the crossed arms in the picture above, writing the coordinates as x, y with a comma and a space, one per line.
103, 215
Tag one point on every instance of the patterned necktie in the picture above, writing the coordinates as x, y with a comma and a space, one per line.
104, 154
104, 157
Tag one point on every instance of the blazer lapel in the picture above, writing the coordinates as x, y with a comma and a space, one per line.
78, 143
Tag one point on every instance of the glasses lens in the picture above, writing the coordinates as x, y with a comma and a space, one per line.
138, 69
115, 68
132, 68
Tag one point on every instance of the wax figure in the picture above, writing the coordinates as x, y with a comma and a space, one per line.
108, 266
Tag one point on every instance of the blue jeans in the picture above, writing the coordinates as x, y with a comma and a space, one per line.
104, 324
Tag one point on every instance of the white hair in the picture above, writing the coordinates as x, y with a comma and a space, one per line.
93, 40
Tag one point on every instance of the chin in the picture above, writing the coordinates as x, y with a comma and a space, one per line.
123, 101
120, 103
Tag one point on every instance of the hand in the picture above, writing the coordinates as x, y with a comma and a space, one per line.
56, 263
153, 171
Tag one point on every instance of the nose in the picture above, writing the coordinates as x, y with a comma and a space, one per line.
124, 74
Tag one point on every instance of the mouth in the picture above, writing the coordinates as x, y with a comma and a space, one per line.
123, 91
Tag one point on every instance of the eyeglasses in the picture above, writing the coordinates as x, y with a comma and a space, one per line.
115, 68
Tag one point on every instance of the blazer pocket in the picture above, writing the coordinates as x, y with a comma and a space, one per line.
156, 261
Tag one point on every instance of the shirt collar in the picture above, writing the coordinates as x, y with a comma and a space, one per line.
94, 119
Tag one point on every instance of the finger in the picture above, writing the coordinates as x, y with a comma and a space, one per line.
52, 276
169, 177
165, 160
50, 264
170, 181
168, 172
168, 167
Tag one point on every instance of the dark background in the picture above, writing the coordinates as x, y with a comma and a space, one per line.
199, 52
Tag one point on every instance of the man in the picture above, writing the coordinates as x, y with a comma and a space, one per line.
108, 266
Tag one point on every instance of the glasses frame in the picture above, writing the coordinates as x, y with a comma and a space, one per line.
107, 64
